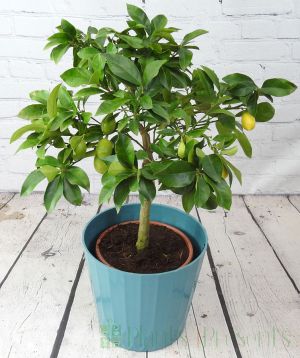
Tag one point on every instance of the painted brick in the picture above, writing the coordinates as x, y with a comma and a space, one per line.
296, 50
255, 29
288, 29
6, 25
257, 7
35, 26
24, 69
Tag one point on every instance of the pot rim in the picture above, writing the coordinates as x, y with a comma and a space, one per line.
183, 237
134, 274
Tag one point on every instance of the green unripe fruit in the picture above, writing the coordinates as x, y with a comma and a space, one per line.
104, 148
116, 168
108, 125
80, 150
181, 149
100, 165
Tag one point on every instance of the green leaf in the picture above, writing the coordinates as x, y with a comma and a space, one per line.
87, 92
87, 52
147, 189
265, 111
49, 172
159, 22
121, 193
241, 85
32, 180
212, 75
66, 99
188, 201
68, 27
110, 106
146, 102
235, 170
151, 70
212, 166
132, 41
138, 15
39, 96
77, 176
124, 68
35, 127
52, 102
223, 194
58, 52
244, 142
53, 193
185, 57
278, 87
75, 77
72, 193
177, 174
202, 192
192, 35
125, 150
33, 111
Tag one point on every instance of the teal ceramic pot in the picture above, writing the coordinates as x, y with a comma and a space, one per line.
143, 312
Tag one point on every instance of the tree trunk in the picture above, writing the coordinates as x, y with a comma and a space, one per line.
144, 226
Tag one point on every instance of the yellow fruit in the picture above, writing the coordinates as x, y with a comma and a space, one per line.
100, 166
116, 168
181, 149
248, 121
224, 173
108, 125
104, 148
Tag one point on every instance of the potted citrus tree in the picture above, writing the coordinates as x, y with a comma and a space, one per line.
160, 124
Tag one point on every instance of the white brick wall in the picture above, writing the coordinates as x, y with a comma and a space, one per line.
259, 37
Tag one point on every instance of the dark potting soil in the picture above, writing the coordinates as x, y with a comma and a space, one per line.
166, 250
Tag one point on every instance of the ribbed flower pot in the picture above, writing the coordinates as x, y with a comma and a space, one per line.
143, 312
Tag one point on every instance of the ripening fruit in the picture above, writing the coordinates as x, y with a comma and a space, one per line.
181, 149
108, 125
99, 165
248, 121
224, 173
104, 148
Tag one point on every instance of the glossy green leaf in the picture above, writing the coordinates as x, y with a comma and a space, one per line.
146, 102
265, 112
49, 172
35, 127
121, 193
68, 27
77, 176
133, 41
52, 101
244, 142
53, 193
138, 15
212, 166
125, 150
33, 111
147, 189
58, 52
75, 77
109, 106
202, 192
192, 35
72, 193
159, 22
278, 87
32, 180
188, 201
223, 194
177, 174
40, 96
124, 68
151, 70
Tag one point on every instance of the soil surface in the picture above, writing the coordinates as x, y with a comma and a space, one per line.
166, 250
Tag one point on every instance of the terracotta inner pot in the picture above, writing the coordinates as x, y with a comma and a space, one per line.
186, 240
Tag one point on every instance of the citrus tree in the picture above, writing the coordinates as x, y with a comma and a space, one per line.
160, 122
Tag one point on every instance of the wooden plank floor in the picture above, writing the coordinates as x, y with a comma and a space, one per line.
246, 302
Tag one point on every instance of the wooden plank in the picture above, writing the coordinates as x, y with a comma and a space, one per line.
263, 305
295, 200
33, 299
5, 198
18, 220
206, 332
280, 222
